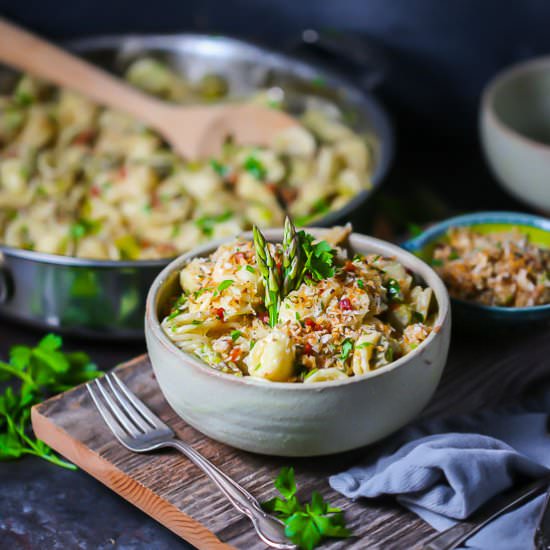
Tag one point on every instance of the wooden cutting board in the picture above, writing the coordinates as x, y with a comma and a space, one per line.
173, 491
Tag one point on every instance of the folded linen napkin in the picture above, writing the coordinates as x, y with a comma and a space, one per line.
443, 470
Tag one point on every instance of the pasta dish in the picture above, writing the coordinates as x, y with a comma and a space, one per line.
80, 180
298, 311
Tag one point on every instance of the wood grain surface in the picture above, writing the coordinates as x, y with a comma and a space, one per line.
482, 371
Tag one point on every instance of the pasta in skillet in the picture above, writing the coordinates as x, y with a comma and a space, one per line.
80, 180
345, 318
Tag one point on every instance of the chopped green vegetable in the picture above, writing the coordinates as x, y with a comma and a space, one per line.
42, 371
454, 255
364, 345
23, 98
394, 291
219, 168
235, 335
361, 284
83, 228
206, 223
128, 247
255, 167
436, 262
417, 317
318, 208
305, 525
250, 269
347, 346
223, 285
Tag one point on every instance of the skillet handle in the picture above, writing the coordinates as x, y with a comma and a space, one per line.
348, 54
6, 283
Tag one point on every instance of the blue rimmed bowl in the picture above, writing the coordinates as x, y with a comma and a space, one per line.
471, 314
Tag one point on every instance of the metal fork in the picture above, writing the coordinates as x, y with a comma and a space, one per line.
140, 430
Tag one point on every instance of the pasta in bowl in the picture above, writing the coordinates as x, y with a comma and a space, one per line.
309, 379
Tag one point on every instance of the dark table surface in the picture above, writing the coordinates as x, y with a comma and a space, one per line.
43, 506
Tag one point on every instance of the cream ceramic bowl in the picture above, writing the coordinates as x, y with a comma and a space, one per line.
287, 419
515, 131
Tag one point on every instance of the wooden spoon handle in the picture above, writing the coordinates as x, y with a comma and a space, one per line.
26, 52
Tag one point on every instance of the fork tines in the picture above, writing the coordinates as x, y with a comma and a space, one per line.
125, 414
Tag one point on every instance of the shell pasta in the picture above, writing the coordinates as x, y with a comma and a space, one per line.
366, 313
80, 180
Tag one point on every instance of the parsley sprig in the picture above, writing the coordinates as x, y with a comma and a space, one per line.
306, 525
41, 371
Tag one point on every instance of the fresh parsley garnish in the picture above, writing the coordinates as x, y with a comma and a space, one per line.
235, 335
319, 258
361, 284
454, 255
305, 525
347, 346
42, 371
255, 167
219, 168
223, 285
394, 291
84, 227
206, 223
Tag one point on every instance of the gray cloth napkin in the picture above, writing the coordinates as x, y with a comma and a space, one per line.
444, 470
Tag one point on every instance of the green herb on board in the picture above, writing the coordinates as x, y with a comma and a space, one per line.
306, 525
41, 371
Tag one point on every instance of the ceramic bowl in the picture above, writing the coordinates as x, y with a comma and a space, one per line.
471, 314
287, 419
515, 131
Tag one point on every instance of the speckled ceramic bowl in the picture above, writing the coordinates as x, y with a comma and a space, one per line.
286, 419
515, 131
470, 314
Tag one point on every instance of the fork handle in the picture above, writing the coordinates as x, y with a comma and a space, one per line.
269, 529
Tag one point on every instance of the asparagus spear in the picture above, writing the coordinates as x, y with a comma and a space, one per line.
291, 258
269, 271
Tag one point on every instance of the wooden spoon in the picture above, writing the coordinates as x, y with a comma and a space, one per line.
194, 132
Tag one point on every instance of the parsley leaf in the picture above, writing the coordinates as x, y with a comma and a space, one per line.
319, 258
223, 285
347, 346
255, 167
42, 371
305, 525
206, 223
219, 168
394, 291
235, 335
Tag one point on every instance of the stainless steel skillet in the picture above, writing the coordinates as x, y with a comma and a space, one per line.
106, 299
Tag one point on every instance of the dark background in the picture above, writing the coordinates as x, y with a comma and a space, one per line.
439, 54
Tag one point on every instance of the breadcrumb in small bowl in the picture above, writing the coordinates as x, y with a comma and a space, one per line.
496, 266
